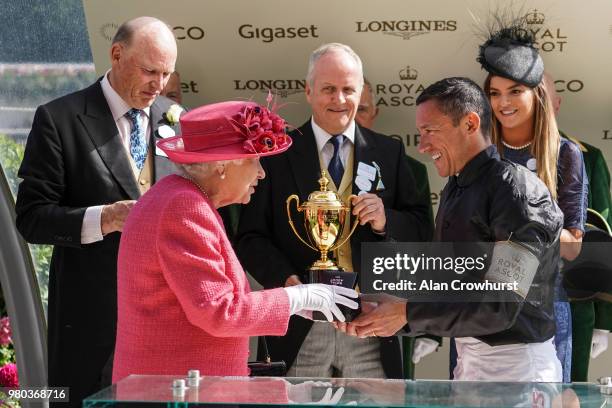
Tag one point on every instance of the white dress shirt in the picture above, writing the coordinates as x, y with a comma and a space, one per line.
91, 230
326, 150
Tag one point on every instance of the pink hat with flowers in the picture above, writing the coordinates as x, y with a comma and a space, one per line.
226, 131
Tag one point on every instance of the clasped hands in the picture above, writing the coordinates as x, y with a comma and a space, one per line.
380, 319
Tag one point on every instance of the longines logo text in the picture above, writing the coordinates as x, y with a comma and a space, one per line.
280, 87
547, 39
269, 34
400, 93
406, 29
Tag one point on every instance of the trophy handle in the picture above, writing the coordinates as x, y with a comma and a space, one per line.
355, 224
297, 203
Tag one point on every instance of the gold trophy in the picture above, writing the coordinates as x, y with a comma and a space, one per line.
325, 217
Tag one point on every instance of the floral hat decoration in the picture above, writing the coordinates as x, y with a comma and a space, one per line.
226, 131
509, 51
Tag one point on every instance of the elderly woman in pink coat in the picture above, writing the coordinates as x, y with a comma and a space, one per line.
184, 301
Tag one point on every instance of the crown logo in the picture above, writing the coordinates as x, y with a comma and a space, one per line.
108, 31
408, 73
283, 93
406, 35
534, 17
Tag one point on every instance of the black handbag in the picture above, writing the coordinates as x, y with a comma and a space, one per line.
267, 368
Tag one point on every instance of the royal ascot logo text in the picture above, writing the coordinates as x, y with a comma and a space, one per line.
188, 33
405, 29
547, 39
568, 85
270, 34
108, 31
402, 92
279, 87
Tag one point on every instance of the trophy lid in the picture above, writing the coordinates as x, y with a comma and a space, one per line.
324, 197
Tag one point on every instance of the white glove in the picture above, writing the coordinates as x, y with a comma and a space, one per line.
304, 299
302, 393
599, 344
422, 347
331, 398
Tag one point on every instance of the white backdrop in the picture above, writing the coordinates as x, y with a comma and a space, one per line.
237, 49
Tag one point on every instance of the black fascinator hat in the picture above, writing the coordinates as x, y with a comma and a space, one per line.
509, 52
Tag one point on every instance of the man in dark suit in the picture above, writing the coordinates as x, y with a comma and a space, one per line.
359, 161
88, 157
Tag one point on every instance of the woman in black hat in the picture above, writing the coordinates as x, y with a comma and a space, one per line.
525, 132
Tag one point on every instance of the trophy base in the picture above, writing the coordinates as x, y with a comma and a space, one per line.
336, 277
328, 265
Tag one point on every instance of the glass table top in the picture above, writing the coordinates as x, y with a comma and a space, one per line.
235, 391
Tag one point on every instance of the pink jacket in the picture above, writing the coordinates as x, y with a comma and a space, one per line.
184, 301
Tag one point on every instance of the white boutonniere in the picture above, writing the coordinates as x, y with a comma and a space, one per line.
170, 118
173, 114
366, 176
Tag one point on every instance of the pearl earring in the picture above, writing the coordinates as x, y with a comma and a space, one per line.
222, 176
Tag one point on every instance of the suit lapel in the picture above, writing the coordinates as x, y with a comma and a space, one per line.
158, 162
304, 160
156, 116
101, 128
162, 166
364, 152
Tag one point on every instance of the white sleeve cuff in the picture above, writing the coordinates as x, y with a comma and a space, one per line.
91, 230
298, 296
381, 233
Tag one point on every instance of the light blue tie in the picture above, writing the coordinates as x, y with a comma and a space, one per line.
335, 167
138, 144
